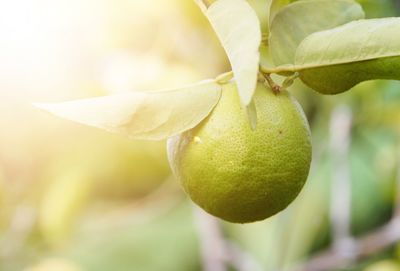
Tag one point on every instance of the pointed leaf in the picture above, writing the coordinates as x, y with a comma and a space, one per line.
335, 60
251, 111
238, 28
296, 21
143, 115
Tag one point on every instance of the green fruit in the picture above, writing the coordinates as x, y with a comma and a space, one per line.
239, 174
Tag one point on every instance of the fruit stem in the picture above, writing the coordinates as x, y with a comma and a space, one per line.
267, 80
264, 40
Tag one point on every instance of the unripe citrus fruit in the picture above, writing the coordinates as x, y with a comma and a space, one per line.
240, 174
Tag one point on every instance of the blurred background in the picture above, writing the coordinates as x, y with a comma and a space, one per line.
74, 198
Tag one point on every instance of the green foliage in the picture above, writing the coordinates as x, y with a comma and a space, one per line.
167, 243
144, 115
335, 60
385, 265
329, 59
324, 41
300, 19
274, 7
240, 39
61, 204
262, 13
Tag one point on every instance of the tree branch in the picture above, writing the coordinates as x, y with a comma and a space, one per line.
368, 245
241, 260
217, 252
340, 213
213, 249
372, 243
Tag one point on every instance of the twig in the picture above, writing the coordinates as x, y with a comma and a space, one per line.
217, 252
368, 245
372, 243
241, 260
213, 249
340, 138
278, 70
266, 78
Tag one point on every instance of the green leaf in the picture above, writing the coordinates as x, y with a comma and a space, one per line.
275, 7
335, 60
266, 11
143, 115
300, 19
238, 28
259, 6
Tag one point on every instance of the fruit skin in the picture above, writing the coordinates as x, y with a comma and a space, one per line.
239, 174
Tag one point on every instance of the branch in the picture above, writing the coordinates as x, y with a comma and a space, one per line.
241, 260
372, 243
340, 214
368, 245
213, 249
217, 252
268, 82
277, 70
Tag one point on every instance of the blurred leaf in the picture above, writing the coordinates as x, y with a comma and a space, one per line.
379, 9
143, 115
371, 206
121, 169
54, 264
238, 28
385, 265
62, 202
300, 19
335, 60
2, 188
169, 242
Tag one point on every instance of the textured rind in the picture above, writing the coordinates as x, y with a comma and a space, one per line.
239, 174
